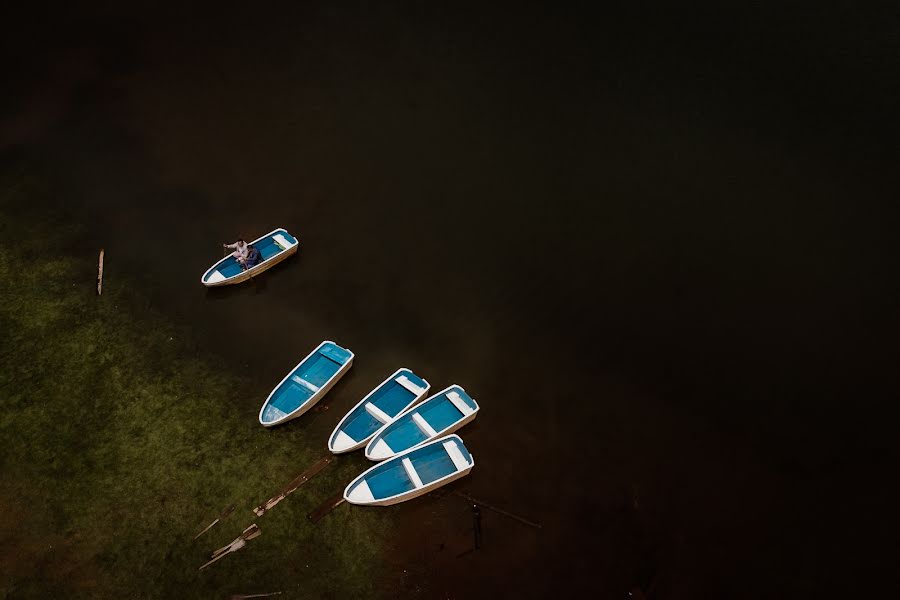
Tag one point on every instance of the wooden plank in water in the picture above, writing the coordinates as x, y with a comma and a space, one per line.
100, 274
294, 484
326, 507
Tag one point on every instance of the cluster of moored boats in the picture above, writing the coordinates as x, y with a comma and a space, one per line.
411, 438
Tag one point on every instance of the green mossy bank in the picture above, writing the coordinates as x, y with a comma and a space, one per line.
118, 443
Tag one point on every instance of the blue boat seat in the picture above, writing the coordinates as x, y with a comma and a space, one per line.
281, 241
305, 383
335, 353
377, 413
460, 404
409, 385
423, 425
411, 473
456, 456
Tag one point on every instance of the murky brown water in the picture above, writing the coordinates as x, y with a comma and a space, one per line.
638, 240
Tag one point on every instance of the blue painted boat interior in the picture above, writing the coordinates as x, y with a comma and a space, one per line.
438, 411
267, 249
430, 461
391, 397
229, 268
318, 369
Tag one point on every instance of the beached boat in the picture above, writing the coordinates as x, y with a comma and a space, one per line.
306, 384
273, 248
412, 473
380, 406
443, 413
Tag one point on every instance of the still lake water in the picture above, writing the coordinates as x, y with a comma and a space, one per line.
651, 244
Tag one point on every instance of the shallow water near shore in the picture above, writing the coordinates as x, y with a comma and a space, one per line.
636, 248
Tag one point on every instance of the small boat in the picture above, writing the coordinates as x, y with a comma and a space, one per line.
273, 248
306, 384
392, 396
443, 413
412, 473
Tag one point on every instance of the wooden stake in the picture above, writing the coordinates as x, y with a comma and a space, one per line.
100, 274
294, 484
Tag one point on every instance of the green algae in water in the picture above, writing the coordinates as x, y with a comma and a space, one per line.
118, 446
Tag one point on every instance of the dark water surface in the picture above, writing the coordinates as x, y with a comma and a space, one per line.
652, 243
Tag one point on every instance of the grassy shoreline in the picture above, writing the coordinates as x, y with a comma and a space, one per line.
119, 444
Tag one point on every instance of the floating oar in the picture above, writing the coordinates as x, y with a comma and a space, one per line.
243, 596
224, 514
239, 542
500, 511
326, 507
293, 485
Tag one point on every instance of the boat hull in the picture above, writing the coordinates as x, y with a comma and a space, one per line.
376, 450
313, 398
341, 443
413, 493
434, 459
252, 272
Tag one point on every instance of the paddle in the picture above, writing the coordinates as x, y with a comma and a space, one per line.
243, 596
224, 514
239, 542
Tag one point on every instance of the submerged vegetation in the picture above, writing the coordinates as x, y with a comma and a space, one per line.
120, 443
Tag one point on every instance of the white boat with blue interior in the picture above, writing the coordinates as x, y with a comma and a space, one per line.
412, 473
379, 407
442, 413
273, 248
306, 384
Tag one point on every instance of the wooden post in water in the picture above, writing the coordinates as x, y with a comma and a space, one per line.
100, 274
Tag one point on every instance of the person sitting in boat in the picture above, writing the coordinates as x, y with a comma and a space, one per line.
253, 257
241, 249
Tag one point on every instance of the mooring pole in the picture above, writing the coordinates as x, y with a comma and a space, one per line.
476, 525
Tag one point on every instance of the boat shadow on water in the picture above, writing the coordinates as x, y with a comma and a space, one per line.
258, 284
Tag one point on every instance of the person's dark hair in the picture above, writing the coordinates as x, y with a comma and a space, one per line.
240, 240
